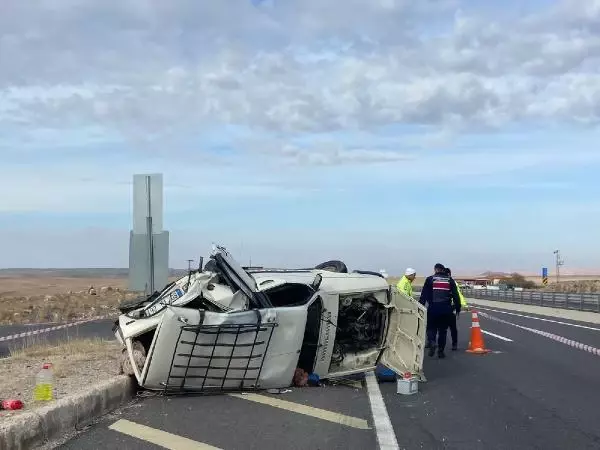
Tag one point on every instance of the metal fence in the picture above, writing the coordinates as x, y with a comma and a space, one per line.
582, 302
218, 358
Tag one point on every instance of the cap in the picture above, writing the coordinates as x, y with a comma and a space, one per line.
410, 271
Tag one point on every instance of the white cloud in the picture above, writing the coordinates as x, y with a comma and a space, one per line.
149, 67
155, 78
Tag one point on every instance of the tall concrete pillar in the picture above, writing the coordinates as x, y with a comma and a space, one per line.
148, 242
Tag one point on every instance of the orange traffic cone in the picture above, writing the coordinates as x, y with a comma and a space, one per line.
476, 344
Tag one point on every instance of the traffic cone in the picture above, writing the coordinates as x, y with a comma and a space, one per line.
476, 344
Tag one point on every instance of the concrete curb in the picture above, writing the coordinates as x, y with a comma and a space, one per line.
31, 429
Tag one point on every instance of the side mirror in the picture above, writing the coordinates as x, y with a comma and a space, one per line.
317, 282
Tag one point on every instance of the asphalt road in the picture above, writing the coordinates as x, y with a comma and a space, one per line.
531, 393
98, 328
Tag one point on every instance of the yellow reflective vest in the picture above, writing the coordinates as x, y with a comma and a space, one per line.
404, 285
463, 302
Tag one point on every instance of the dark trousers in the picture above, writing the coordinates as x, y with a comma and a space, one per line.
437, 324
453, 330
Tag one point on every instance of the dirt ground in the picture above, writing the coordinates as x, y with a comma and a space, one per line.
56, 299
575, 287
30, 286
73, 362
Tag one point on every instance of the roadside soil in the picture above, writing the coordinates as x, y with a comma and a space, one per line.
76, 363
578, 287
58, 299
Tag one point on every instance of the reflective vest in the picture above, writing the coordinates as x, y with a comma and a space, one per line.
463, 302
404, 285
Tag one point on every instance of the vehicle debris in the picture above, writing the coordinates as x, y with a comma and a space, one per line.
278, 391
11, 404
224, 328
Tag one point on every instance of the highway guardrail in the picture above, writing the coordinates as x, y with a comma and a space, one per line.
564, 300
579, 301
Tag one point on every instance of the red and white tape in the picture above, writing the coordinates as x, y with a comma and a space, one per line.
13, 337
555, 337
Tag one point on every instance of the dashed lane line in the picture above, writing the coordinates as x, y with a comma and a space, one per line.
497, 336
323, 414
540, 318
158, 437
554, 337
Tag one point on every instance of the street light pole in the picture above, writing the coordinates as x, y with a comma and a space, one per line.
559, 262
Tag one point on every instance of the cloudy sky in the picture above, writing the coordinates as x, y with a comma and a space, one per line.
386, 133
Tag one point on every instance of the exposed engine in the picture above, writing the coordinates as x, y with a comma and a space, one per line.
359, 326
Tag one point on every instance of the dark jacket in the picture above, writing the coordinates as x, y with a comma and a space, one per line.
440, 295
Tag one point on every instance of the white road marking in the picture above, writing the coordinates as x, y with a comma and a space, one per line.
158, 437
541, 319
299, 408
554, 337
497, 336
386, 437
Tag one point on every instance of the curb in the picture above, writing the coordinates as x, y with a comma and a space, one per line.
31, 429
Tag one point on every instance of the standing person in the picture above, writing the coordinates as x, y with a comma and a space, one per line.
405, 283
440, 295
452, 324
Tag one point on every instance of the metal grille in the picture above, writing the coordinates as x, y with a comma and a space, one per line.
218, 358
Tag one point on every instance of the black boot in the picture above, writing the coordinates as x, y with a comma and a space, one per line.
441, 354
431, 349
454, 347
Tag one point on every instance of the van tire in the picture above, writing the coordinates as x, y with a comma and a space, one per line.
333, 266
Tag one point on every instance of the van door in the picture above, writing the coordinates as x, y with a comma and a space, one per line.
238, 278
406, 334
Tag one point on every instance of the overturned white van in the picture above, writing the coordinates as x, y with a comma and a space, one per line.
224, 328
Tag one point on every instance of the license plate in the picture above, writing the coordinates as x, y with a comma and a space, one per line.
177, 293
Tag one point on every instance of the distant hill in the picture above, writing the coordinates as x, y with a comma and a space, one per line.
490, 274
115, 272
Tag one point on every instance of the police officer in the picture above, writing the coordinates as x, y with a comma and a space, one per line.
440, 295
452, 325
405, 283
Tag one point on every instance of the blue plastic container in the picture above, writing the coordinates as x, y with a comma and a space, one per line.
384, 374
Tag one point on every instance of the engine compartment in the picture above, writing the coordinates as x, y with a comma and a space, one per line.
360, 331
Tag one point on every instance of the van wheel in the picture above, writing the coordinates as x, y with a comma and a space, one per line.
139, 356
333, 266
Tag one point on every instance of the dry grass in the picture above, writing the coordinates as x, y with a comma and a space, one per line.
77, 364
31, 299
579, 286
23, 286
69, 348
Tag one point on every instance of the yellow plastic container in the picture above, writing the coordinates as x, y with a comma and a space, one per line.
44, 384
